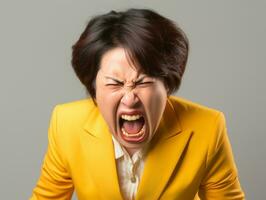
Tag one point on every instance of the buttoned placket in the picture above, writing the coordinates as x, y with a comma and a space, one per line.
131, 171
133, 164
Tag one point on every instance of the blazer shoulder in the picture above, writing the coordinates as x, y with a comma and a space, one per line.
74, 113
183, 104
194, 114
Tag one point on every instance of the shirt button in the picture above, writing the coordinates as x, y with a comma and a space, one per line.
133, 179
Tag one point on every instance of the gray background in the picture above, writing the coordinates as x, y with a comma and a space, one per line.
226, 70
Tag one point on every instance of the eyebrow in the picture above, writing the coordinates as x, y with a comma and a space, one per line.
140, 78
120, 81
114, 79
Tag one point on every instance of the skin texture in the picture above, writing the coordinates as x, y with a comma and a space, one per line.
121, 88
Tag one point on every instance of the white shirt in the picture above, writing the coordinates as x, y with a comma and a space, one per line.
129, 170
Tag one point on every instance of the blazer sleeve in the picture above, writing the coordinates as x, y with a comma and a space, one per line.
221, 178
55, 181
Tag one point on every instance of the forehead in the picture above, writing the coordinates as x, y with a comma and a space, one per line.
116, 62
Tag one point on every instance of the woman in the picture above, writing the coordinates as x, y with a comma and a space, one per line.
132, 139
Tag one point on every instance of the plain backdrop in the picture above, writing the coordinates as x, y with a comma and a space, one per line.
226, 71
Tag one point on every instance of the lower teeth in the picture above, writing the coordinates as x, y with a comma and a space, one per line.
133, 135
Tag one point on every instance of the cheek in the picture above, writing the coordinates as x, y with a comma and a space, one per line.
101, 99
106, 101
104, 96
107, 104
154, 101
158, 103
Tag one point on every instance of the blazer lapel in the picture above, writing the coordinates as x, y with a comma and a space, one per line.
164, 153
99, 152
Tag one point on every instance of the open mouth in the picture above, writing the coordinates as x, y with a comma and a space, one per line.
132, 127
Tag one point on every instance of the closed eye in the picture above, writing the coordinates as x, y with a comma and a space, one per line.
115, 83
144, 83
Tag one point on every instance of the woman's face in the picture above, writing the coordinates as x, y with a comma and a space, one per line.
131, 102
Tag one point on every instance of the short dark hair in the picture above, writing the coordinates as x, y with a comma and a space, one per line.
151, 41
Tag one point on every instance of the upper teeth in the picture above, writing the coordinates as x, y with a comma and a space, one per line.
130, 117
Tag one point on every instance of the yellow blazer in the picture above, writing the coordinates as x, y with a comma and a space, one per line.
189, 157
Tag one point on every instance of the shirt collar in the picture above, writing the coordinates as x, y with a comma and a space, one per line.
120, 151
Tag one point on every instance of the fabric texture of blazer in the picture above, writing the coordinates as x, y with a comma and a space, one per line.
189, 157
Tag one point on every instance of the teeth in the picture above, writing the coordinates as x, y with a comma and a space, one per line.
130, 117
133, 135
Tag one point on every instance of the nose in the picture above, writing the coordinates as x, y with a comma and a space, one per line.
129, 98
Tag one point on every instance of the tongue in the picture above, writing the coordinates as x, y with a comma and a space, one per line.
133, 127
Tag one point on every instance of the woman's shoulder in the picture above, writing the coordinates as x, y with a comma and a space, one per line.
194, 114
77, 105
182, 104
75, 111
